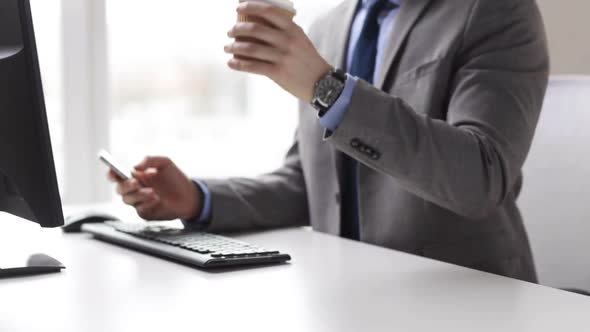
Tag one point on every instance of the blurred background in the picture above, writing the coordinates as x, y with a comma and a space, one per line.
149, 77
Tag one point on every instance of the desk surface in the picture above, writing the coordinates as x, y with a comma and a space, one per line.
331, 285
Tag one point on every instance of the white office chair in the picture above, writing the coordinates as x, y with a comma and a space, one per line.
555, 199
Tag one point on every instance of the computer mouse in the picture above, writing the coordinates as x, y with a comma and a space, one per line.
73, 223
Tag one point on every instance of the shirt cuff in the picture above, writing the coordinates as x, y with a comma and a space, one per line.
333, 117
205, 217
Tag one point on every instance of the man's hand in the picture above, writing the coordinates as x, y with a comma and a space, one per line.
160, 191
280, 50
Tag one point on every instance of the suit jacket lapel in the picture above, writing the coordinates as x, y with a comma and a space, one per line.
341, 31
409, 13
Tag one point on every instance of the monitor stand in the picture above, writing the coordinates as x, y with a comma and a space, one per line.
36, 264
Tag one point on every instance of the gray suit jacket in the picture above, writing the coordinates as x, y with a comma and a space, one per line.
441, 138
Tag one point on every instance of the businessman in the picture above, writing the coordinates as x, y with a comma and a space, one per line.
416, 118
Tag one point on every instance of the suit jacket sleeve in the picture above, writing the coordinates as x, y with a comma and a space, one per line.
469, 162
277, 199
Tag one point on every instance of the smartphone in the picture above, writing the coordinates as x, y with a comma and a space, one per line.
123, 173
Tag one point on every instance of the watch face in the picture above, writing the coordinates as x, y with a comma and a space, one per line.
329, 90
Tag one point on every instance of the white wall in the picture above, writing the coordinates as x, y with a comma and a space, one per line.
554, 198
568, 30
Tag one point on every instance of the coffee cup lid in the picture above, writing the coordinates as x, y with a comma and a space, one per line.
283, 4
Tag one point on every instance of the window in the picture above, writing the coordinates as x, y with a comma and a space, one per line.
174, 95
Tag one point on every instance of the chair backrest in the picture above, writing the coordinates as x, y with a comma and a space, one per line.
555, 200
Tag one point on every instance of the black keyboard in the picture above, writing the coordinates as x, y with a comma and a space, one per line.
196, 248
202, 243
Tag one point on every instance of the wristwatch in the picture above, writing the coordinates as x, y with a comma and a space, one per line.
327, 90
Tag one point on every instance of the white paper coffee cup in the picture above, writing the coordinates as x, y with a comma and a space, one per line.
286, 6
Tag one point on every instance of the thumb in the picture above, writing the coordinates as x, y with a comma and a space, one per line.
145, 177
153, 162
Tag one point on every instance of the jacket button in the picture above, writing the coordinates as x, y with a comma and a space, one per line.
355, 143
375, 155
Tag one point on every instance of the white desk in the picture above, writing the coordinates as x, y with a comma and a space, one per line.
331, 285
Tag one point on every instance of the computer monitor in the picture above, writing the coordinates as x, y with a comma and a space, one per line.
28, 184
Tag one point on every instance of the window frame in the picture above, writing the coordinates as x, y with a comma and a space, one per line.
86, 100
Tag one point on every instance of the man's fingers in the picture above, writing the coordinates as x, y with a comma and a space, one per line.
260, 32
274, 15
139, 197
153, 162
113, 177
148, 210
127, 187
145, 174
144, 178
251, 66
254, 51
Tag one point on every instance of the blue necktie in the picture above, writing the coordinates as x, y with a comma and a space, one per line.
362, 66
